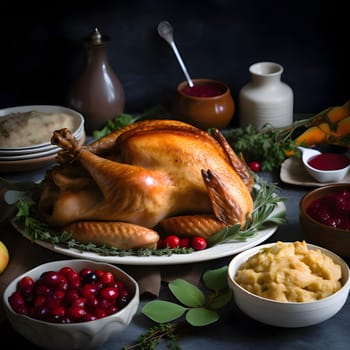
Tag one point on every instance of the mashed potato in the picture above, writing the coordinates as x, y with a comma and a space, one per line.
290, 272
32, 128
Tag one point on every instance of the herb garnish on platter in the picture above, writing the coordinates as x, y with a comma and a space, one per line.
33, 227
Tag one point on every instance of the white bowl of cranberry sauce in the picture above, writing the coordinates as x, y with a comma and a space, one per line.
324, 215
325, 166
71, 304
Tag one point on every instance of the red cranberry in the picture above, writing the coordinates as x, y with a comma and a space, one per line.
70, 296
16, 301
104, 304
76, 313
171, 241
26, 284
107, 278
255, 166
59, 311
109, 293
88, 290
198, 243
185, 242
54, 280
41, 289
160, 244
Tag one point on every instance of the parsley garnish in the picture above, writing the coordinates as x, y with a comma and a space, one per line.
270, 146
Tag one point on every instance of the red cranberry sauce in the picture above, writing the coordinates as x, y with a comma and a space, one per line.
329, 161
332, 210
204, 90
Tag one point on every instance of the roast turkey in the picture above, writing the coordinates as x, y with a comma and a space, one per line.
151, 178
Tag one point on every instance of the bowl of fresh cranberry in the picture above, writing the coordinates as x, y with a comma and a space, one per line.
71, 304
206, 104
324, 215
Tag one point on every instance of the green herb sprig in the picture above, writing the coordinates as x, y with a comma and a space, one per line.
155, 335
270, 145
265, 202
28, 221
197, 308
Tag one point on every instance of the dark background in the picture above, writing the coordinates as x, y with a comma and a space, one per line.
42, 53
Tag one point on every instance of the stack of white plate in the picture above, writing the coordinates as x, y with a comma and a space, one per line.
13, 159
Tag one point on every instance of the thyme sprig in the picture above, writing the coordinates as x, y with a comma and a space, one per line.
152, 338
32, 227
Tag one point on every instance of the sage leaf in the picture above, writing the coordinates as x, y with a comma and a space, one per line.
187, 293
201, 317
215, 279
163, 311
219, 300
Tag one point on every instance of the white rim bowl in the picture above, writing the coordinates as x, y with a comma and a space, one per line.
82, 335
77, 132
287, 314
321, 175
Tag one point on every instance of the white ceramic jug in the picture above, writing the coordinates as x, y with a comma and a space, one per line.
266, 99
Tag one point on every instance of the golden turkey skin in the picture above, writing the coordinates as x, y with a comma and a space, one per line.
154, 174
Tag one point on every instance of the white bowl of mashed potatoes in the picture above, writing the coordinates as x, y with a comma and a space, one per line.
289, 284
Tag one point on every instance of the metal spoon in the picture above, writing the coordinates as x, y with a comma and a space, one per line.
165, 30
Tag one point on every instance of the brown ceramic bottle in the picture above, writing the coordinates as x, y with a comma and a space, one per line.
97, 94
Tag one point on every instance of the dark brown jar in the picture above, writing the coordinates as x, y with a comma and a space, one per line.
97, 94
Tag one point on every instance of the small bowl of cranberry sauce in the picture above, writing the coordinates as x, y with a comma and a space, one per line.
324, 216
207, 104
325, 166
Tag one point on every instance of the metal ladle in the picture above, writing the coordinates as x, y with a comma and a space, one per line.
165, 30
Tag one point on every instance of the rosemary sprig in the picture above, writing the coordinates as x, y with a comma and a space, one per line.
265, 202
